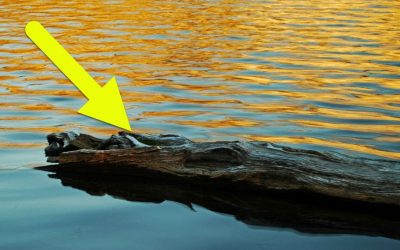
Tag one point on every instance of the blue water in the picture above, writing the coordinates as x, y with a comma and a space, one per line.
39, 213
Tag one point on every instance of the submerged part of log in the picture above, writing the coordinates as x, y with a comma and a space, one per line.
255, 165
302, 213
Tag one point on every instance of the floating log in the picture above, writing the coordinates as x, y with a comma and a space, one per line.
239, 165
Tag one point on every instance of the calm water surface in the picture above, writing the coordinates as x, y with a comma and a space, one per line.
315, 74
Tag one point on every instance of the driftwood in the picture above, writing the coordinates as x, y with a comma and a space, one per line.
239, 165
301, 212
260, 183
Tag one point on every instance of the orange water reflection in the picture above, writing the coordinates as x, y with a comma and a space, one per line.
305, 72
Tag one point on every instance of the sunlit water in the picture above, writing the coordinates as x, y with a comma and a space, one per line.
315, 74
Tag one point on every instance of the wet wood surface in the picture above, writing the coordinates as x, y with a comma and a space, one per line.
241, 165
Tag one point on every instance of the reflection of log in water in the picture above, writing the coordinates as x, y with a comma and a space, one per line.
304, 213
265, 184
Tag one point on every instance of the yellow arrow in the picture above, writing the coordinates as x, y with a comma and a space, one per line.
104, 103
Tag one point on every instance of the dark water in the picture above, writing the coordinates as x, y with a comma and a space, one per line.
36, 213
316, 74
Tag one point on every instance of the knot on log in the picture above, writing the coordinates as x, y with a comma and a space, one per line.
70, 141
217, 156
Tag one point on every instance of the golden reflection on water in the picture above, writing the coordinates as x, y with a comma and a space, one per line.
312, 72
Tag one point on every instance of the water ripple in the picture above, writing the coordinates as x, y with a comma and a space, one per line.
297, 72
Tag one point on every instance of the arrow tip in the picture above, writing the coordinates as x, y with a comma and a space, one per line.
106, 105
33, 27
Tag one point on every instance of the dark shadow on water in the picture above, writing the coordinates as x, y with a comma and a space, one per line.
304, 213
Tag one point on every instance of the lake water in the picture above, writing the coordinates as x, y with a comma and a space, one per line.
313, 74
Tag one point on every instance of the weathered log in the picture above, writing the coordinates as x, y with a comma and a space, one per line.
303, 213
252, 165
